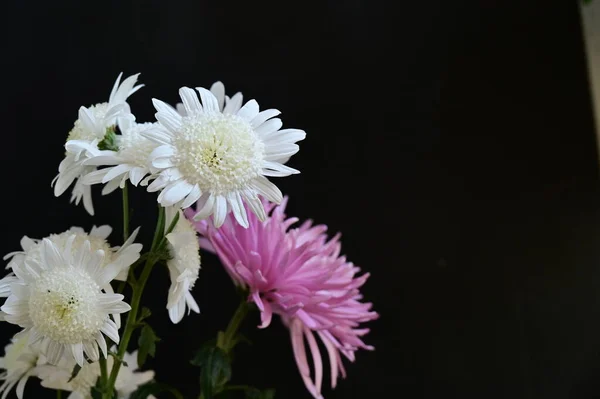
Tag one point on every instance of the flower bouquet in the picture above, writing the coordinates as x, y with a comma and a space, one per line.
208, 159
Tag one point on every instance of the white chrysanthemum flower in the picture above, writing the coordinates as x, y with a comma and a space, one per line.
122, 256
19, 361
129, 162
184, 265
219, 154
89, 130
60, 301
128, 380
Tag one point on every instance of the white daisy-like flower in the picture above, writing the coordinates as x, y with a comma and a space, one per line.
219, 154
184, 265
90, 129
128, 380
20, 362
130, 162
124, 255
59, 300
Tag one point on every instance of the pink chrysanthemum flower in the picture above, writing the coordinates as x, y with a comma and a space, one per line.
299, 275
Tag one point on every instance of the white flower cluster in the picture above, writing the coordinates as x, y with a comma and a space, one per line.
22, 361
59, 292
212, 151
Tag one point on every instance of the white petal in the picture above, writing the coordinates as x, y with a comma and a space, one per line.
50, 255
110, 330
65, 179
101, 343
175, 314
111, 186
116, 172
168, 121
91, 350
81, 259
137, 174
67, 252
87, 200
263, 116
93, 266
159, 183
20, 291
87, 119
113, 92
233, 104
192, 197
209, 101
284, 136
107, 300
174, 193
106, 158
190, 100
237, 206
95, 177
54, 352
77, 350
268, 127
191, 302
107, 274
207, 208
255, 204
281, 152
277, 170
220, 211
21, 385
157, 134
267, 189
218, 90
118, 308
249, 110
27, 243
101, 231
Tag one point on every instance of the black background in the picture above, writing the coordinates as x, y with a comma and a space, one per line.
451, 142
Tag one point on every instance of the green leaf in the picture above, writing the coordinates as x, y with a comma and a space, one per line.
147, 344
216, 369
198, 359
109, 142
74, 373
587, 1
154, 388
144, 314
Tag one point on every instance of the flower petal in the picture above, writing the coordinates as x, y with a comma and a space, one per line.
190, 100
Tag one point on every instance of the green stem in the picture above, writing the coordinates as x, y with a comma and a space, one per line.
103, 371
125, 212
138, 289
58, 394
226, 341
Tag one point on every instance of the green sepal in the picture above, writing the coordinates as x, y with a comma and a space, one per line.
109, 142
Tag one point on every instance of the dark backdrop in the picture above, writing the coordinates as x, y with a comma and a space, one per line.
451, 142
